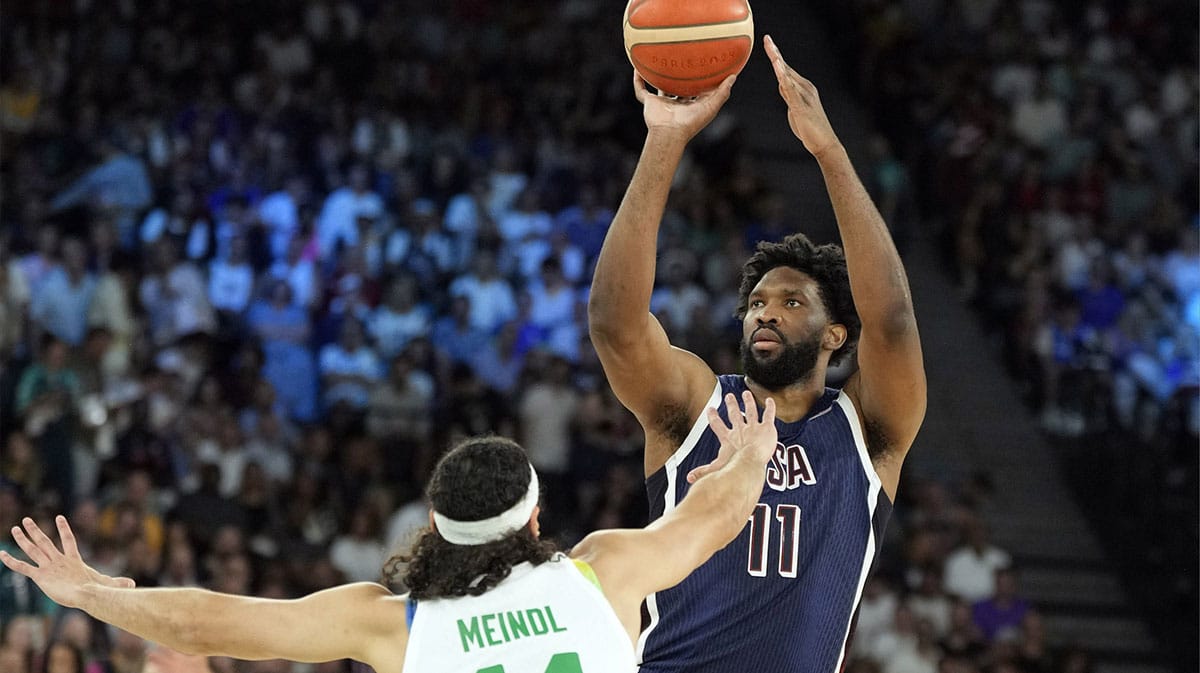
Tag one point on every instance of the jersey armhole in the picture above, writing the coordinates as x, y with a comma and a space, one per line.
410, 612
585, 569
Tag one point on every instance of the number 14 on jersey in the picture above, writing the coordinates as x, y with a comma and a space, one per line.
788, 517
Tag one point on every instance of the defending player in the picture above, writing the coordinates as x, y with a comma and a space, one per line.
486, 594
783, 595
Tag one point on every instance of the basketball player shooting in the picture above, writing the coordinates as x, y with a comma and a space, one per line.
782, 596
486, 595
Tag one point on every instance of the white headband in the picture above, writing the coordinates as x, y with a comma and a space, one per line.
493, 528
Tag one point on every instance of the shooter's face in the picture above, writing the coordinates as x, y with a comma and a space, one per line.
784, 329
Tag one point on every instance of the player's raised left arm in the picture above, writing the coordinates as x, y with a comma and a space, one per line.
355, 621
889, 387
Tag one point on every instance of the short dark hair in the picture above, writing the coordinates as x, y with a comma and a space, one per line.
826, 264
478, 479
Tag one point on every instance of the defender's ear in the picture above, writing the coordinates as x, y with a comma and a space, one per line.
534, 525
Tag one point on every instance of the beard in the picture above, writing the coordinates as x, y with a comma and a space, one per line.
793, 363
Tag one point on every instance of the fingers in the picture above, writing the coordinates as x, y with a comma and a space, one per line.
698, 472
737, 419
16, 565
67, 536
27, 545
788, 78
717, 424
777, 62
639, 86
768, 416
39, 537
721, 93
124, 582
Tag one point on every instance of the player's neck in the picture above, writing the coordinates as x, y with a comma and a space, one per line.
793, 402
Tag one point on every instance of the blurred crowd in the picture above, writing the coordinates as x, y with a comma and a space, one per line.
1055, 145
260, 265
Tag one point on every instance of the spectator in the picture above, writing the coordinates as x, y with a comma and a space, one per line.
1040, 118
300, 274
174, 296
349, 368
491, 297
553, 299
930, 604
400, 409
971, 568
547, 412
279, 211
468, 218
586, 223
1000, 616
525, 231
499, 364
358, 553
60, 305
337, 223
678, 297
284, 330
46, 396
399, 319
231, 281
37, 265
134, 514
456, 335
14, 301
119, 183
876, 613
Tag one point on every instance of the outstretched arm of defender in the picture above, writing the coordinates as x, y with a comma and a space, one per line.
715, 511
642, 367
346, 622
889, 388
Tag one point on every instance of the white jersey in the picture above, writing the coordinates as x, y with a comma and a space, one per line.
545, 619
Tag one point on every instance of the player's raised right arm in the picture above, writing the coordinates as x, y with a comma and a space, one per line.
645, 372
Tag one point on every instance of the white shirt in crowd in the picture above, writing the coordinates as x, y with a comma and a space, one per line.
358, 560
492, 301
279, 212
230, 285
338, 218
301, 277
546, 411
392, 331
971, 575
362, 362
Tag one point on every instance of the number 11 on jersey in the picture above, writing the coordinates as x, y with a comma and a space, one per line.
760, 538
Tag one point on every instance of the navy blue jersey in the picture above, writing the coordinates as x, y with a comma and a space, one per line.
781, 597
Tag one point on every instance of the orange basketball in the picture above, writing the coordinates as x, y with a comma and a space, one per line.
688, 47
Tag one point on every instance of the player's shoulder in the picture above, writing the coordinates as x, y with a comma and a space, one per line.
731, 383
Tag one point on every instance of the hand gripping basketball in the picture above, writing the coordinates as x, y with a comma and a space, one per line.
684, 116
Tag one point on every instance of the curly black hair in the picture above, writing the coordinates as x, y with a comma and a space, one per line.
478, 479
826, 264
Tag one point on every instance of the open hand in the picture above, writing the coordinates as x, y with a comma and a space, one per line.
61, 575
745, 432
806, 116
686, 116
